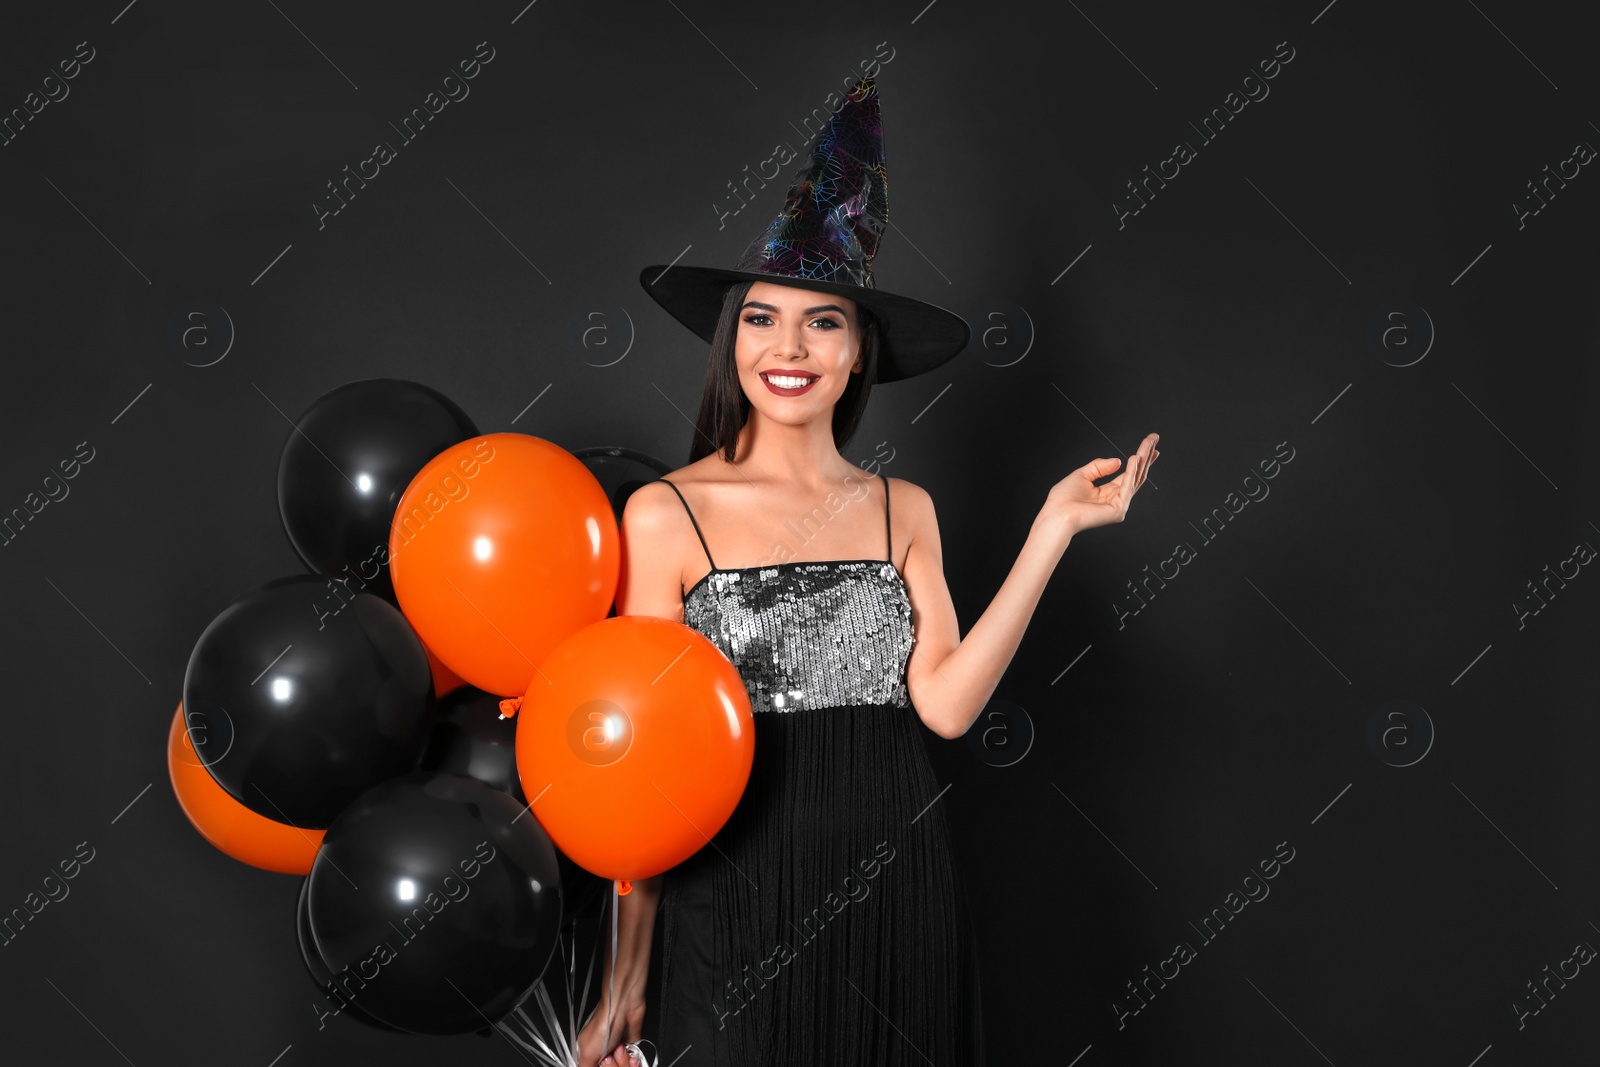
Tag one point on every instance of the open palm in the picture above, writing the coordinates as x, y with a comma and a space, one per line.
1085, 505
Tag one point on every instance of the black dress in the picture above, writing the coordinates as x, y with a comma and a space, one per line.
826, 923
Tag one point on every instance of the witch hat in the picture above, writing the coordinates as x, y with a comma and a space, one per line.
825, 238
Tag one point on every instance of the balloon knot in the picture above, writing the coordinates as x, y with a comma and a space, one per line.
624, 887
509, 706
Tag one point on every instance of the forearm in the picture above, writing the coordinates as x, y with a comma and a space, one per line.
956, 691
636, 922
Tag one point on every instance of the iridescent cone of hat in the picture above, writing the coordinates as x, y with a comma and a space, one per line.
838, 206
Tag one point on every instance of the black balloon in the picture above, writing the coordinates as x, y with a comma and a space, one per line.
470, 738
436, 900
298, 703
620, 471
337, 1001
346, 464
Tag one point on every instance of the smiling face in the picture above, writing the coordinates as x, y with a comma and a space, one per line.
796, 349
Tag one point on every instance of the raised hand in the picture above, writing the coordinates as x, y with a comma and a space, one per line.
1083, 505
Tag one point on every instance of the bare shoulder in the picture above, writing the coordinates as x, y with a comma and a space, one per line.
900, 489
910, 499
649, 510
911, 512
652, 528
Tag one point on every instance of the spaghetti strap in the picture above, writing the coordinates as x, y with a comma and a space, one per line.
887, 529
697, 532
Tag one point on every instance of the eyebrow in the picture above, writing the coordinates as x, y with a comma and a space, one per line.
807, 311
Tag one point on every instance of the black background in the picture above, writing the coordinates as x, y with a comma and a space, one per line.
1232, 314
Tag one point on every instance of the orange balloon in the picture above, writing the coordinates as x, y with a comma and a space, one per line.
229, 825
502, 547
635, 742
444, 679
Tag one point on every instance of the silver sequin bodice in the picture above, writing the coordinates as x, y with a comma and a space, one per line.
806, 636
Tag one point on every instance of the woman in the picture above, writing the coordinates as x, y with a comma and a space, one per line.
825, 923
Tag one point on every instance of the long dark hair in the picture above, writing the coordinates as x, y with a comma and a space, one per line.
723, 406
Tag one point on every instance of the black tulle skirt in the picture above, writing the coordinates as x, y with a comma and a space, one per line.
826, 923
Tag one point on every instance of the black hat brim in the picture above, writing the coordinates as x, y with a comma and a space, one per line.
914, 336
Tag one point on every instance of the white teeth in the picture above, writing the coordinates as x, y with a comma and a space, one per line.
788, 383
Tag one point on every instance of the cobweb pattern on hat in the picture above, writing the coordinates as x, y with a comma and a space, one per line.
838, 205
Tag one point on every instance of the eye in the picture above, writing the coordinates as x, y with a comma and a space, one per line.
756, 318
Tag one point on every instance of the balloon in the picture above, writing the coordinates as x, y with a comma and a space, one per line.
444, 679
636, 740
345, 464
296, 720
233, 828
435, 900
620, 471
502, 547
336, 1001
472, 739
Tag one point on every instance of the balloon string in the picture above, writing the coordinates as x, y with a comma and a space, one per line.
508, 1032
